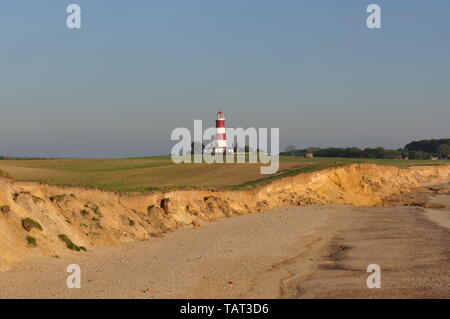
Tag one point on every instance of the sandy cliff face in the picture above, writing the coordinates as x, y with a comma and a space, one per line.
91, 217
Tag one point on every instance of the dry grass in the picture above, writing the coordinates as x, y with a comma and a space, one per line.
140, 174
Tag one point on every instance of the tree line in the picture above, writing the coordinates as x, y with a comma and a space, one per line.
418, 150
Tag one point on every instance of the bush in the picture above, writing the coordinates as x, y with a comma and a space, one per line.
84, 212
70, 244
31, 241
28, 224
57, 198
94, 208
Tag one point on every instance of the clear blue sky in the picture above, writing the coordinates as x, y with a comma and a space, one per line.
138, 69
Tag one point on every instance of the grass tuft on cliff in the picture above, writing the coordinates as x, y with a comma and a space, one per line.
28, 224
70, 244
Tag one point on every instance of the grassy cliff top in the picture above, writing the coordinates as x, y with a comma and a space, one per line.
159, 172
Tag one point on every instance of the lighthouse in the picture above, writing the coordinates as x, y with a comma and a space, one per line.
221, 135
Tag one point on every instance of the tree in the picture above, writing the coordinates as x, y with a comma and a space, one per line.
443, 150
353, 152
429, 146
197, 147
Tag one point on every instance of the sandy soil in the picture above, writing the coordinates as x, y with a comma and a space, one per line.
293, 252
440, 217
92, 218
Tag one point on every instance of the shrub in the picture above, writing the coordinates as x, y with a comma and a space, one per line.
57, 198
96, 220
70, 244
94, 208
31, 241
28, 224
84, 212
17, 194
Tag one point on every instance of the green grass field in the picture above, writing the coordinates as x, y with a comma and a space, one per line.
159, 172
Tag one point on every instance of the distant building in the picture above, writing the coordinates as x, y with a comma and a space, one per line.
309, 155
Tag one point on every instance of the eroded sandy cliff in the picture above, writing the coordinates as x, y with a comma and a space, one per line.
90, 217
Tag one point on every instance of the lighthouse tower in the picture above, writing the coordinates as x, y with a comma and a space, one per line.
221, 136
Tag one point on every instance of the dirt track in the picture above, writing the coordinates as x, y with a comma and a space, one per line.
293, 252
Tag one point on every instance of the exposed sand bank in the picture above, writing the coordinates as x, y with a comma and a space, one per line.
94, 218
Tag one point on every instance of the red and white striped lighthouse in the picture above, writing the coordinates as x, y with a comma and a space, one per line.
221, 135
